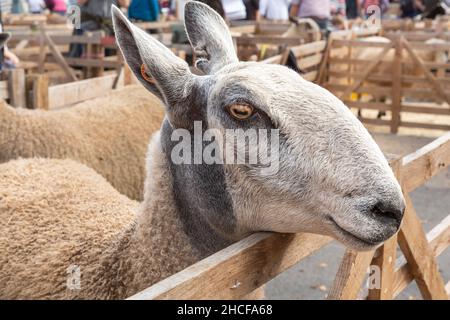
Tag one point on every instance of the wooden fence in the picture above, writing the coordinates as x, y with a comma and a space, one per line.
308, 58
40, 95
248, 264
12, 87
396, 80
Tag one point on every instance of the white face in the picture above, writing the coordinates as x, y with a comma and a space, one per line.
332, 177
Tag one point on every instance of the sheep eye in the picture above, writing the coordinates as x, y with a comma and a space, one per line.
240, 111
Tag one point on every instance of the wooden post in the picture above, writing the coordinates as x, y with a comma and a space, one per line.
351, 273
321, 77
16, 88
397, 85
386, 257
415, 247
42, 52
98, 52
38, 88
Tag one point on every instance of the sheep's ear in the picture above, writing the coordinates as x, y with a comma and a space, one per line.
209, 36
156, 67
4, 37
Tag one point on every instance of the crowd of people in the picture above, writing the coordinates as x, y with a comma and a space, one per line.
96, 14
279, 10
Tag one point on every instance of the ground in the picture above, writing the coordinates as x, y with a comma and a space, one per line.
312, 277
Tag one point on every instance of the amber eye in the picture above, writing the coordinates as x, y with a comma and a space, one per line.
146, 76
240, 111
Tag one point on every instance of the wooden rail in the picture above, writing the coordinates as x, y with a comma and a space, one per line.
308, 58
238, 270
396, 80
43, 96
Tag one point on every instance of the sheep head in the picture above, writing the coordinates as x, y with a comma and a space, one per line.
330, 176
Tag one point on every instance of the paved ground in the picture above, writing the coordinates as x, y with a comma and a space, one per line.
312, 277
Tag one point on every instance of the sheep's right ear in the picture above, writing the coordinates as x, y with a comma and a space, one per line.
4, 37
156, 67
209, 36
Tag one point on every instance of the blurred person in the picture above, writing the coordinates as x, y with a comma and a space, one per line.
19, 6
36, 6
275, 9
434, 8
318, 10
338, 15
8, 60
144, 10
410, 8
95, 16
338, 8
252, 9
353, 8
366, 4
56, 6
217, 5
234, 9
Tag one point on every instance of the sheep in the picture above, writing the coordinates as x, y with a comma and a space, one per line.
331, 177
109, 134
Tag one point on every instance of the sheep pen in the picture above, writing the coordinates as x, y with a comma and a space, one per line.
108, 134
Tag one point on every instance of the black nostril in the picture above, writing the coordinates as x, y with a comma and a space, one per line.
388, 213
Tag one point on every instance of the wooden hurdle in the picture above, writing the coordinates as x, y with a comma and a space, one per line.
243, 267
347, 76
308, 56
41, 95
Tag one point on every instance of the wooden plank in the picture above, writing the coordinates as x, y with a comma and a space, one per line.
438, 239
4, 91
421, 165
378, 122
422, 264
309, 48
367, 89
431, 126
310, 61
70, 93
273, 60
396, 85
84, 62
351, 273
430, 46
359, 43
39, 91
367, 72
254, 40
321, 77
59, 39
385, 260
369, 105
357, 75
16, 88
238, 269
310, 76
417, 108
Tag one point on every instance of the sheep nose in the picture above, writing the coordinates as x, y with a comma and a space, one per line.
388, 213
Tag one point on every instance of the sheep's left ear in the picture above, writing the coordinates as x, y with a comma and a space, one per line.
209, 36
155, 66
